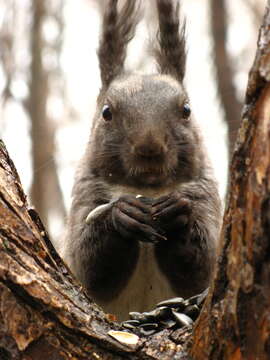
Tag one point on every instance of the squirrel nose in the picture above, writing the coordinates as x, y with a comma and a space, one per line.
149, 149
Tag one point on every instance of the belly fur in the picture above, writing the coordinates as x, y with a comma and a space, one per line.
146, 287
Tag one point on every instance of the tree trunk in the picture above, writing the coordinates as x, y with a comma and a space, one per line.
235, 323
44, 313
45, 192
224, 71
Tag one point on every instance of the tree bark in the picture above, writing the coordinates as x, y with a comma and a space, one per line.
45, 314
235, 322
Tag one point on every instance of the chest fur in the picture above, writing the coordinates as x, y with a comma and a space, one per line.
146, 287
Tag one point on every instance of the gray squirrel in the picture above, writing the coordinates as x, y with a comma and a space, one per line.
145, 216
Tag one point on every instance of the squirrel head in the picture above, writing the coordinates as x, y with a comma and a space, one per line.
143, 132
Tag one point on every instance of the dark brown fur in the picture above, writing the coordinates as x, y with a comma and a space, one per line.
131, 254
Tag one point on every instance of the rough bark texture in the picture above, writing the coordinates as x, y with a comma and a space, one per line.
235, 323
44, 313
224, 71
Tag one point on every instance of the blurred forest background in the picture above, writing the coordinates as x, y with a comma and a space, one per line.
49, 80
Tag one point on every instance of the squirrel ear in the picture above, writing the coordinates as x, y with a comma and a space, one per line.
170, 53
117, 30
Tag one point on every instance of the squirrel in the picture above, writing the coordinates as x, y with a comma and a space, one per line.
145, 215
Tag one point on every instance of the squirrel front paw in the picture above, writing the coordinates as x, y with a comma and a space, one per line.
132, 218
172, 212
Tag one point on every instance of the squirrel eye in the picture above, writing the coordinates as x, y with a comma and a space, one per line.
106, 113
186, 111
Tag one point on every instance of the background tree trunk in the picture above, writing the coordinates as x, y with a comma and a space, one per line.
224, 70
45, 192
44, 313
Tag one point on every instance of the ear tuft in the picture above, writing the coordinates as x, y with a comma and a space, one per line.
170, 53
117, 30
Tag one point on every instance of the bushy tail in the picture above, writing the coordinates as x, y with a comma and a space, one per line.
171, 51
118, 29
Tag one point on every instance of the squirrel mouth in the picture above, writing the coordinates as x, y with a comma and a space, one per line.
148, 166
150, 174
149, 170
